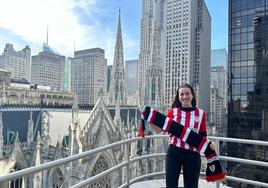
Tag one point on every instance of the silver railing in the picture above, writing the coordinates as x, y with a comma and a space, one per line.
32, 170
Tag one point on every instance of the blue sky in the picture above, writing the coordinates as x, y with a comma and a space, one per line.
90, 23
218, 10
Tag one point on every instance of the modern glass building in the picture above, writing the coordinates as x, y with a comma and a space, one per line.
219, 57
248, 85
218, 79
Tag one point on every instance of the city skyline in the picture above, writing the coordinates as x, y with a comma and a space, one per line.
79, 25
69, 132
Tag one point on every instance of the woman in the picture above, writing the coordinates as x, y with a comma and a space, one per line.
180, 154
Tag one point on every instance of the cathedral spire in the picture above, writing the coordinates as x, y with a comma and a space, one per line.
75, 145
156, 35
117, 117
45, 131
75, 109
118, 82
37, 179
17, 140
30, 132
38, 146
119, 30
1, 136
154, 73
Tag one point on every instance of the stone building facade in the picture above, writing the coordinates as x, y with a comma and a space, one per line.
94, 129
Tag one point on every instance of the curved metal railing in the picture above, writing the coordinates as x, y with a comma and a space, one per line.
32, 170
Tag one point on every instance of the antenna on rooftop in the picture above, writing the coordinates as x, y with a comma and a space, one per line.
74, 46
47, 34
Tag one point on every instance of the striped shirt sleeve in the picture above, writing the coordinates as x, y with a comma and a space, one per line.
170, 113
203, 126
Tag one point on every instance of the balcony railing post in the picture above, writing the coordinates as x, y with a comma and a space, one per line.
217, 144
127, 166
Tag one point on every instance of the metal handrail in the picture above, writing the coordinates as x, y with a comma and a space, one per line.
240, 141
52, 164
116, 167
246, 161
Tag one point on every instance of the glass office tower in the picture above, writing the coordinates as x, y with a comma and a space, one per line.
219, 57
248, 85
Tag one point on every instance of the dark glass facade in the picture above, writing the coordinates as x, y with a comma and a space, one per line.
248, 85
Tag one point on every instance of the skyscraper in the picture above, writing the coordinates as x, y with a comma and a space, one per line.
132, 77
185, 30
4, 78
150, 18
248, 83
217, 112
219, 58
187, 53
48, 69
67, 73
117, 90
218, 100
154, 74
88, 75
218, 79
17, 62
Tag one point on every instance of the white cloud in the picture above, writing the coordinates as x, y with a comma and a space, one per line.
28, 20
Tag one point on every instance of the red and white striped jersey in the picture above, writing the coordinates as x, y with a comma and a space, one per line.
194, 118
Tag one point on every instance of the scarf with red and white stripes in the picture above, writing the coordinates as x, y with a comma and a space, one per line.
202, 144
194, 119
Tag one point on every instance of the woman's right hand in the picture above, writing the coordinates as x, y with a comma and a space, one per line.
212, 146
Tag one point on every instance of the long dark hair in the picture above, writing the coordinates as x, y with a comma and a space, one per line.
177, 103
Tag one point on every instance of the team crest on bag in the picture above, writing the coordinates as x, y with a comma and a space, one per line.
212, 168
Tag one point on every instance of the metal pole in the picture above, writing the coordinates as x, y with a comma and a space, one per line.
217, 143
127, 167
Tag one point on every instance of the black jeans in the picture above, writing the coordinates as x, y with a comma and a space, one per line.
191, 162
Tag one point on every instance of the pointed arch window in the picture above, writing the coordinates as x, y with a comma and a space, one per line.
104, 182
57, 178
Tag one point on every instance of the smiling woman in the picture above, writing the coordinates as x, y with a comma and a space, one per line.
185, 97
180, 154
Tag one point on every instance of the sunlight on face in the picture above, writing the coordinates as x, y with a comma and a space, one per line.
185, 97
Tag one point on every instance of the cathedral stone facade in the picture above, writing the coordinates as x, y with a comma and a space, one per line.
76, 134
99, 129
